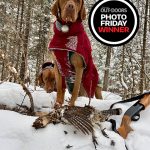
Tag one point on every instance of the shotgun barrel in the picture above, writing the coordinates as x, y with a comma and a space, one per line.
132, 113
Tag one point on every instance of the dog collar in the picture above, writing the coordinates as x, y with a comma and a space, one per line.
47, 65
63, 28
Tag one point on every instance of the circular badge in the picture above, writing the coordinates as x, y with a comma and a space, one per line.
113, 22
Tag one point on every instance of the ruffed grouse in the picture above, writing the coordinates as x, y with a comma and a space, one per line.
83, 118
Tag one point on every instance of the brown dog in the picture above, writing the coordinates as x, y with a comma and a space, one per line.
71, 51
46, 77
48, 82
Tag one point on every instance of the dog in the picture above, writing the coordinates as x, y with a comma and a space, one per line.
71, 50
46, 78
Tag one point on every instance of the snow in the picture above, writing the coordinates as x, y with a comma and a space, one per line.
16, 131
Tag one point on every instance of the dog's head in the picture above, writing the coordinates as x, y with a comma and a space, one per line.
69, 10
47, 77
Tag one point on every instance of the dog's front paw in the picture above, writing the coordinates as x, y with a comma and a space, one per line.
57, 105
71, 103
40, 122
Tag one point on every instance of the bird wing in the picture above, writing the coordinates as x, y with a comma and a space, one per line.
78, 118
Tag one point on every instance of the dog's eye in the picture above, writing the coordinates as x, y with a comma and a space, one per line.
78, 1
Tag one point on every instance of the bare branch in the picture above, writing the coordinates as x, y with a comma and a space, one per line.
15, 73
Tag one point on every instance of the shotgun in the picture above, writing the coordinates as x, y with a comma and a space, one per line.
133, 114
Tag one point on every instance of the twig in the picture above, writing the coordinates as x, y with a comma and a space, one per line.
22, 101
15, 73
90, 93
24, 110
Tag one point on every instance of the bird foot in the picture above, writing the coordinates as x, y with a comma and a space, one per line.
94, 142
104, 133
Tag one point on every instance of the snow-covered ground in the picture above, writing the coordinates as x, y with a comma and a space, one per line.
17, 133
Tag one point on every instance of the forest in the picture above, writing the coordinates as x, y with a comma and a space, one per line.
26, 29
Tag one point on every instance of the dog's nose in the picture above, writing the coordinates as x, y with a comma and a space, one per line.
70, 7
50, 90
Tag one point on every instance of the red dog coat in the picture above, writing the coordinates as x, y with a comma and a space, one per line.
75, 40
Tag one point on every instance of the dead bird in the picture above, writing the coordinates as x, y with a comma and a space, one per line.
82, 118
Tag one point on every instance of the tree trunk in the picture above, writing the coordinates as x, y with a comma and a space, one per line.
122, 73
20, 34
38, 55
107, 67
15, 36
143, 51
23, 68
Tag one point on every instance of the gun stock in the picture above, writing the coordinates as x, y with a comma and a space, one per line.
125, 126
145, 100
133, 111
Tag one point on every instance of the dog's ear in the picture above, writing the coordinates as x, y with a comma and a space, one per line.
83, 12
40, 80
55, 9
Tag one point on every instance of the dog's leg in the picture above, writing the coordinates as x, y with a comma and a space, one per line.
98, 92
82, 91
77, 62
60, 90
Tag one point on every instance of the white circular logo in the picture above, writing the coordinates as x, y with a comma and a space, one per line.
114, 22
